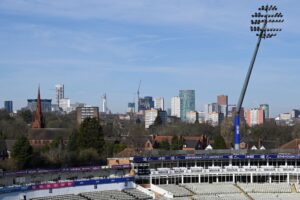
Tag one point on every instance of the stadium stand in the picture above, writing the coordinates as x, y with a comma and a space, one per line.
266, 187
274, 196
137, 194
126, 194
176, 190
61, 197
229, 191
211, 189
221, 197
107, 195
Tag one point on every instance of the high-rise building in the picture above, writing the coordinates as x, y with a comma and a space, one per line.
266, 110
46, 105
213, 118
255, 116
295, 113
8, 106
175, 106
59, 93
187, 102
145, 103
159, 103
222, 99
85, 112
224, 110
211, 108
151, 115
131, 107
38, 118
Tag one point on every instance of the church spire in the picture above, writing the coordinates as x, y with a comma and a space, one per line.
38, 118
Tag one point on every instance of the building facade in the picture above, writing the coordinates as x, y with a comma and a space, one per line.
266, 110
285, 116
86, 112
212, 107
192, 117
131, 107
59, 93
213, 118
159, 103
46, 105
295, 114
187, 102
222, 99
175, 106
8, 106
151, 115
145, 103
201, 117
224, 110
65, 105
255, 116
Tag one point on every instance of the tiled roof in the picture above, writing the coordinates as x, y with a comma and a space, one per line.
294, 144
48, 133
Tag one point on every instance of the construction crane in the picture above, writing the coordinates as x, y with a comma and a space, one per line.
138, 95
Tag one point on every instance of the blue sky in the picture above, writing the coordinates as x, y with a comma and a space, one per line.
98, 46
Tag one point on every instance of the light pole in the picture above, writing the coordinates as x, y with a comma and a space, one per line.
261, 23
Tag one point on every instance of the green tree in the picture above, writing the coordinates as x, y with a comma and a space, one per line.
88, 156
22, 152
90, 135
3, 147
4, 115
177, 143
111, 149
72, 144
26, 115
165, 145
157, 121
219, 142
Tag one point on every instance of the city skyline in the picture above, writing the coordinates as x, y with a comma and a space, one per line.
93, 51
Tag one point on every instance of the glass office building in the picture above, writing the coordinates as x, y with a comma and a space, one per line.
8, 106
187, 102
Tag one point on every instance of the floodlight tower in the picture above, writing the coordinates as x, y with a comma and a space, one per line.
262, 23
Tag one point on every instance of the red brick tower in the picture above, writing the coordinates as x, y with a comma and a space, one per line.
38, 118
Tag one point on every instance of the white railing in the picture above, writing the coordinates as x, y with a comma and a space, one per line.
226, 169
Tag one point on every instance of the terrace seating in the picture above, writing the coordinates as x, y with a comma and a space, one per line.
176, 190
210, 189
221, 197
61, 197
137, 194
107, 195
275, 196
178, 198
266, 187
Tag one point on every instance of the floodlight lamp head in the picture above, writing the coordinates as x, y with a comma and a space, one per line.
265, 21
